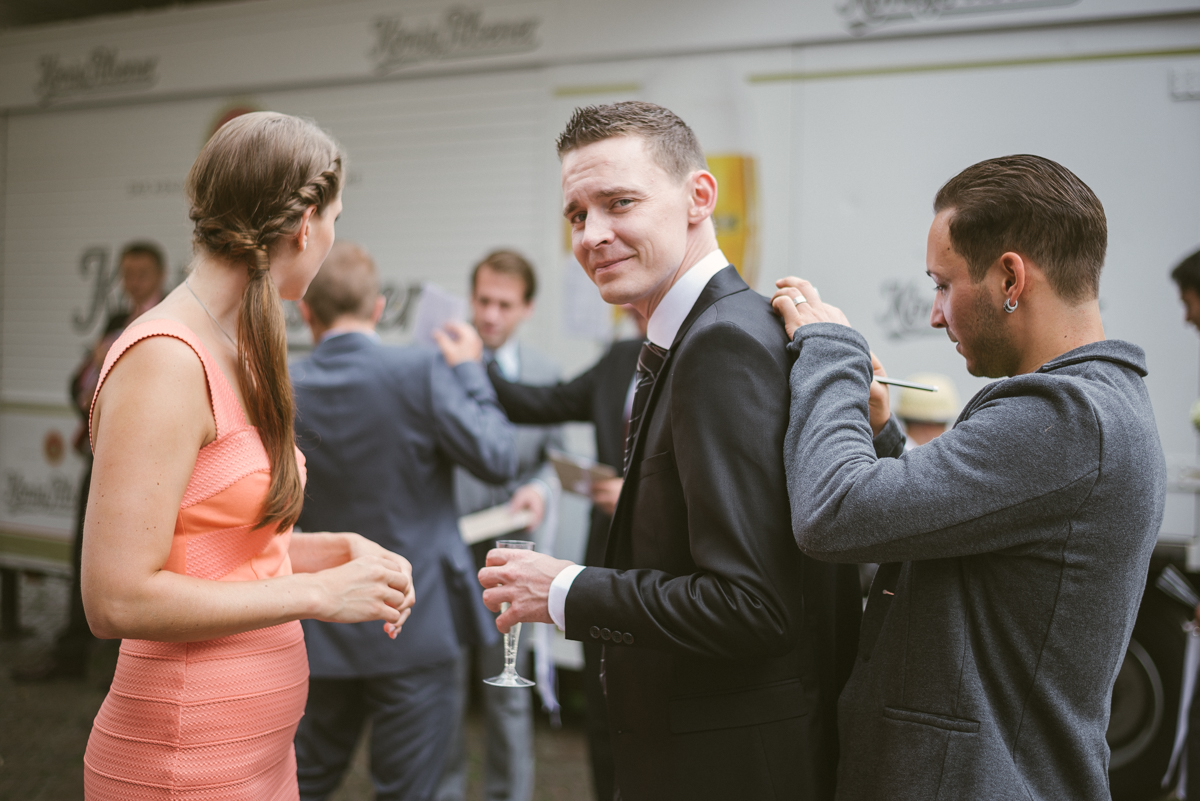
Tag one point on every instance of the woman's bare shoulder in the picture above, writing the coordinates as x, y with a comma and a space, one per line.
158, 380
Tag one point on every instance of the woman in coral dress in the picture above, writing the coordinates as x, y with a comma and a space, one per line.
189, 554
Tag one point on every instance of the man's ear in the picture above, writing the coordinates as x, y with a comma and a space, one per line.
529, 309
1013, 274
305, 312
703, 196
377, 312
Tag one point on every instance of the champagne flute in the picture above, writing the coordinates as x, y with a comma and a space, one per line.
508, 677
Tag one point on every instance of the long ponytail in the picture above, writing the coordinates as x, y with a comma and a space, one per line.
249, 188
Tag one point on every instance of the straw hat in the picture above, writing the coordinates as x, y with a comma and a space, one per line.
929, 407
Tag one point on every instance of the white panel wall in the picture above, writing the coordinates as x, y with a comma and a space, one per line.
445, 167
872, 153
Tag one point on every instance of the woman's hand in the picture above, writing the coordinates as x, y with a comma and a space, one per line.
366, 588
360, 547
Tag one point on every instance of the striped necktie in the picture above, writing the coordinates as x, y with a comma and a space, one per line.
650, 362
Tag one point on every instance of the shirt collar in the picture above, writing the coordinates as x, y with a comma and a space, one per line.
680, 298
508, 359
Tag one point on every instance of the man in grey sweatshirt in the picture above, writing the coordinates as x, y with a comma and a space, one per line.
1018, 542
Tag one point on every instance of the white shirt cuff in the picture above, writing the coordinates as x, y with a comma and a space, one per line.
557, 602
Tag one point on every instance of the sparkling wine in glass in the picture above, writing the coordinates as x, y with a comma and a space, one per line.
508, 677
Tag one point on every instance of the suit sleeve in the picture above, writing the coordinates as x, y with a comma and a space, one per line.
1025, 452
471, 427
728, 413
543, 405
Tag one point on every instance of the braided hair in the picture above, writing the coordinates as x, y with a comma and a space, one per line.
248, 190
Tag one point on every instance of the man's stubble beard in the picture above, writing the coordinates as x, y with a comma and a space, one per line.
991, 344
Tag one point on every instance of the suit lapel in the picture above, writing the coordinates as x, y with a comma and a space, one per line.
725, 283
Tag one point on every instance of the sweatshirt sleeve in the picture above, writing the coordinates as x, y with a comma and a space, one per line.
1028, 448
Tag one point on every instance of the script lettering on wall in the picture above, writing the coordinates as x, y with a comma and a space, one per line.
864, 15
100, 72
104, 273
461, 33
53, 496
905, 314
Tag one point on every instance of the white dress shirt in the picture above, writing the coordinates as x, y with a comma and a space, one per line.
663, 326
508, 360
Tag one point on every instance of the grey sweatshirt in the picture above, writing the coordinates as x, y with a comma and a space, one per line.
988, 656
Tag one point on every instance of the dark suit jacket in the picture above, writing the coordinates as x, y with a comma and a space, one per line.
382, 429
720, 662
597, 396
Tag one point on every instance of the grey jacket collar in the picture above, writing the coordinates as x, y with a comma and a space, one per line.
1119, 351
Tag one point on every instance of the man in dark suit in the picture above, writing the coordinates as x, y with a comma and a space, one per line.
719, 638
382, 429
601, 395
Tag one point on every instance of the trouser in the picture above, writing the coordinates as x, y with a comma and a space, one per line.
412, 718
74, 643
508, 732
599, 742
1193, 750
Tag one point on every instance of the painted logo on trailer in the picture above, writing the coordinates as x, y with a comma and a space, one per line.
862, 15
461, 33
101, 72
906, 310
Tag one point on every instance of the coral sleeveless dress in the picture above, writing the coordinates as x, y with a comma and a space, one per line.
211, 720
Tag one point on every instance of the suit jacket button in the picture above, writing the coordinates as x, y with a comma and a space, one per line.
605, 634
616, 636
627, 638
595, 632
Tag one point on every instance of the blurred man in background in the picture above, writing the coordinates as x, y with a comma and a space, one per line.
143, 268
926, 415
503, 288
1186, 276
382, 430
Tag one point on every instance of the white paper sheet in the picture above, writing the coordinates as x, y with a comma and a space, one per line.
578, 473
435, 308
491, 523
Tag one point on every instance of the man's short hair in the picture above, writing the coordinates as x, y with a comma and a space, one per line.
145, 247
672, 143
346, 284
1032, 206
1186, 274
508, 262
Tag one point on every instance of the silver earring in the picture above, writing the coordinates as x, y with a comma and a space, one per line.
1010, 305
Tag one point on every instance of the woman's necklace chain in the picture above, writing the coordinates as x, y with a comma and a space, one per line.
232, 341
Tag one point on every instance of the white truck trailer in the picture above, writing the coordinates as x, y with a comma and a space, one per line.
832, 122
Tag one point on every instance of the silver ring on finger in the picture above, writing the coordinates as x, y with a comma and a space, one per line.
799, 299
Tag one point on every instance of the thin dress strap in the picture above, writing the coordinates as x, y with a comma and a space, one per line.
227, 411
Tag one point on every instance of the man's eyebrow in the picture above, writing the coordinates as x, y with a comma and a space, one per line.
617, 192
